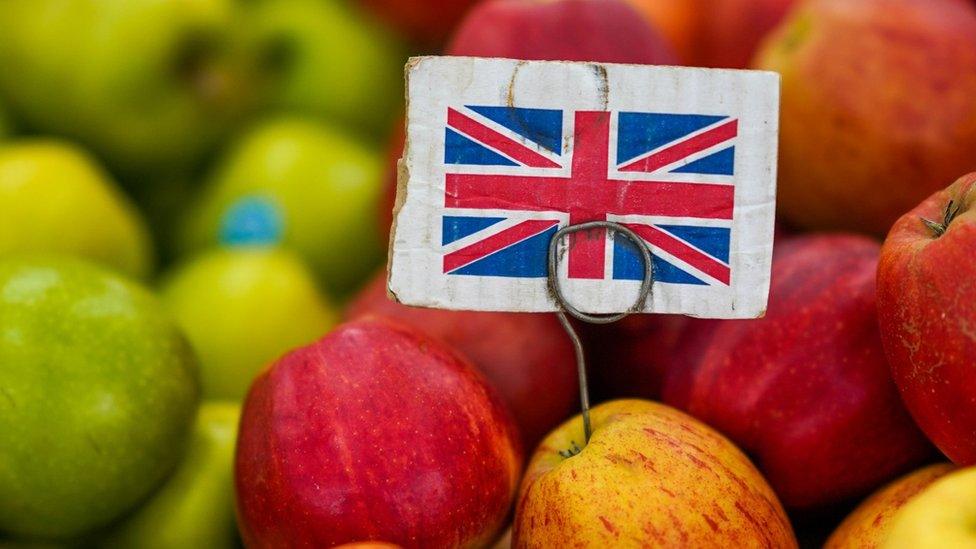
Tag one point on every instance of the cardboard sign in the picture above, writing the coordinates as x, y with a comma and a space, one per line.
501, 153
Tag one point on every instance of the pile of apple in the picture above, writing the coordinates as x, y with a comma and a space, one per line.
197, 350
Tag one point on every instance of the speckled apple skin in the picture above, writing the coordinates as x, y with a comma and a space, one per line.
878, 108
868, 525
806, 390
375, 432
651, 476
528, 358
927, 311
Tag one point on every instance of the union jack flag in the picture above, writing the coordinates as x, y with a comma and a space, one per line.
514, 175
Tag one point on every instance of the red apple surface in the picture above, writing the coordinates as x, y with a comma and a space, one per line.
608, 31
425, 22
629, 358
927, 311
527, 357
878, 108
806, 390
715, 33
375, 432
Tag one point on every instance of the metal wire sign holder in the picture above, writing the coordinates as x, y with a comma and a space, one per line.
568, 308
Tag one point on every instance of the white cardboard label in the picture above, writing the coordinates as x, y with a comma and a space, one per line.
501, 153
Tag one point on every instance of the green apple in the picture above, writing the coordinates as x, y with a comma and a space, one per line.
195, 508
325, 59
943, 515
54, 198
242, 308
147, 84
300, 184
98, 391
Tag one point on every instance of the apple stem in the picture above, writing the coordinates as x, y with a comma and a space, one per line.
947, 216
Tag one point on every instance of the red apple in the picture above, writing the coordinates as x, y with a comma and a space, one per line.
608, 31
878, 108
527, 357
375, 432
806, 390
927, 310
426, 22
715, 33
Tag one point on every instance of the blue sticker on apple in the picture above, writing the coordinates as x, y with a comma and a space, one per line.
252, 220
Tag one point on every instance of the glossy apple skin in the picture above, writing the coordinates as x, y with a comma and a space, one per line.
715, 33
927, 312
56, 198
806, 390
940, 516
375, 432
878, 108
868, 526
528, 358
650, 476
99, 394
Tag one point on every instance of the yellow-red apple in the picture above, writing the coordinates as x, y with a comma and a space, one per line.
649, 476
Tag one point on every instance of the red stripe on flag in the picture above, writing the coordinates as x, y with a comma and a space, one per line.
483, 248
511, 192
497, 141
682, 251
684, 149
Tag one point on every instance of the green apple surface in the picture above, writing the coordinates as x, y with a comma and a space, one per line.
55, 199
147, 84
98, 392
325, 59
302, 185
242, 308
195, 508
943, 515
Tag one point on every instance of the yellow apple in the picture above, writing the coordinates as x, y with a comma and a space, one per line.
241, 309
649, 476
867, 526
55, 199
942, 516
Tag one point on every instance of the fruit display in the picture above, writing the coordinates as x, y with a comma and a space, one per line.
198, 348
806, 389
